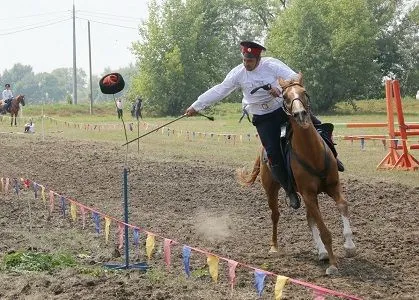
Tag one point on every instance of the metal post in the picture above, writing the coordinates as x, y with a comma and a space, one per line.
74, 57
126, 217
90, 70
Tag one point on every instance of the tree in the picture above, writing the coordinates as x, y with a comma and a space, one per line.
333, 44
187, 46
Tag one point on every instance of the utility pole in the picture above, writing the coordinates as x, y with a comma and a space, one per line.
74, 57
90, 70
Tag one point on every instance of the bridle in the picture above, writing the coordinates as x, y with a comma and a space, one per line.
306, 105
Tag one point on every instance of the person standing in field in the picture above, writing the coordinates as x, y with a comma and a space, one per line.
264, 104
119, 108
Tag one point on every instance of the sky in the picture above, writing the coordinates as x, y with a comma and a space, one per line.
39, 33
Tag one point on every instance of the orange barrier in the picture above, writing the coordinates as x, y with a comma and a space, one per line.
393, 159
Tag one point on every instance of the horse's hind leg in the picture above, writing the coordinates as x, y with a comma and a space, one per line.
271, 189
349, 245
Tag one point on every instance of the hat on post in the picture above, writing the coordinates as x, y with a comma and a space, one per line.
112, 83
251, 49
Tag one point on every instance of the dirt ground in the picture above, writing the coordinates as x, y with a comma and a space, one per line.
202, 206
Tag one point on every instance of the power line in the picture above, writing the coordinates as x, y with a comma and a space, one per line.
115, 25
35, 27
36, 15
107, 14
106, 18
32, 25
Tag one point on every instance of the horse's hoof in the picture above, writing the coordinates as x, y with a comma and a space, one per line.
350, 252
332, 270
323, 256
273, 250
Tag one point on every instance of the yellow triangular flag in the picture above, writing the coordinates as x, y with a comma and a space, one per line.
43, 194
279, 286
73, 211
212, 262
149, 245
107, 225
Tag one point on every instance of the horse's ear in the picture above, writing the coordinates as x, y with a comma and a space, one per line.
300, 78
281, 81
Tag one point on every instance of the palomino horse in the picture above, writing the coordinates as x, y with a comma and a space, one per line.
14, 107
315, 171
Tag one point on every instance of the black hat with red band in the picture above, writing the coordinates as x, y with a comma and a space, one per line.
251, 49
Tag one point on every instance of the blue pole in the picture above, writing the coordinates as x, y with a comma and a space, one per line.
126, 217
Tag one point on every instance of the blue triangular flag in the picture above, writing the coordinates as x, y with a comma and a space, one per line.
260, 281
35, 189
186, 257
136, 236
62, 199
96, 220
16, 186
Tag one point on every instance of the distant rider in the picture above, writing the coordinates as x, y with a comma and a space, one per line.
7, 96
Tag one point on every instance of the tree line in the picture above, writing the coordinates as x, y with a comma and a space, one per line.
345, 50
57, 85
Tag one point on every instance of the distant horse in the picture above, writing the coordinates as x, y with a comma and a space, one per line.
315, 171
14, 107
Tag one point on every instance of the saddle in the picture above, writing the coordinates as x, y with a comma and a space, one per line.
325, 130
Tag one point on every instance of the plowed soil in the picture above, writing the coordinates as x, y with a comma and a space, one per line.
200, 205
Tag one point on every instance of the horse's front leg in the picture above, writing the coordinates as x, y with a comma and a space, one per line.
349, 245
318, 244
313, 212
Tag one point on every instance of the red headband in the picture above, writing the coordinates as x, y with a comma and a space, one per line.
251, 52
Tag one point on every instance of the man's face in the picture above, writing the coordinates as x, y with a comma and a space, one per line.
250, 63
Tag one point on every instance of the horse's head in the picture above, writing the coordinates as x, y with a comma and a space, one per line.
21, 99
296, 100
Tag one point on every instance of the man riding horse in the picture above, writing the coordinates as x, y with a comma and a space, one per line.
257, 77
7, 97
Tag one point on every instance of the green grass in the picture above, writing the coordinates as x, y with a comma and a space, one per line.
207, 145
36, 261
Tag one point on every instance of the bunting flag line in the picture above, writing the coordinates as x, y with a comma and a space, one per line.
212, 262
186, 253
260, 281
149, 244
279, 286
319, 292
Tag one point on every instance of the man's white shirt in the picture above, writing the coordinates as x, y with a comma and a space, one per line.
261, 102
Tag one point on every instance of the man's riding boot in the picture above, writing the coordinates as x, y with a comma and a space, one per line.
326, 134
280, 175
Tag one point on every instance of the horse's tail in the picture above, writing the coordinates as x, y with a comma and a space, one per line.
246, 179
